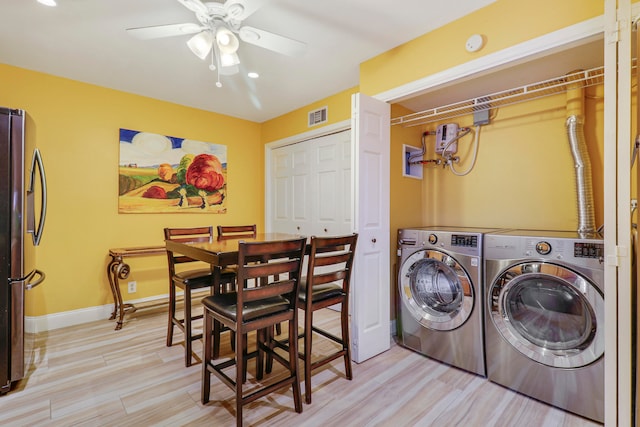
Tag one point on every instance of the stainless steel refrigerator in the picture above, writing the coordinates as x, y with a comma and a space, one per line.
23, 201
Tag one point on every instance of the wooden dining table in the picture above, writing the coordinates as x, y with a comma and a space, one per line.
222, 252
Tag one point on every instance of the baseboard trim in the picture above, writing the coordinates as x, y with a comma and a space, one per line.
49, 322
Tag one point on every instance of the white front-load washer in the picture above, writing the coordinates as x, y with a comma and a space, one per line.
440, 293
544, 323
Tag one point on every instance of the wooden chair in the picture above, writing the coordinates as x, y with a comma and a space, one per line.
188, 281
257, 308
327, 281
236, 231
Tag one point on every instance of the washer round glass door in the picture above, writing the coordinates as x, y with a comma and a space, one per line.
436, 289
549, 313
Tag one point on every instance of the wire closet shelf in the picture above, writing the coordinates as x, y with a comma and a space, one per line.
556, 85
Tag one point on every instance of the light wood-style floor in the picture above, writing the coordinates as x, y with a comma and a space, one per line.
92, 375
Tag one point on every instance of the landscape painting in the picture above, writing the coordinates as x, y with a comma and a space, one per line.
165, 174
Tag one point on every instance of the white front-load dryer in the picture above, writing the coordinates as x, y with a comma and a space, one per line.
544, 323
440, 293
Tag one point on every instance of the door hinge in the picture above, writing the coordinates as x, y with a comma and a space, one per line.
613, 36
620, 252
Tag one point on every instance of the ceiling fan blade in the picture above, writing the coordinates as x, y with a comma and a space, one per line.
194, 5
241, 9
160, 31
271, 41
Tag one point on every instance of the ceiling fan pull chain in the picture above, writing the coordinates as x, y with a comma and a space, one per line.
217, 55
212, 67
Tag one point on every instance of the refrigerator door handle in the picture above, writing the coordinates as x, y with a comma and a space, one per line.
29, 282
36, 233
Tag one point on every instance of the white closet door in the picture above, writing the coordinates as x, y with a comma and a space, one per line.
332, 176
292, 189
371, 293
311, 186
302, 188
281, 189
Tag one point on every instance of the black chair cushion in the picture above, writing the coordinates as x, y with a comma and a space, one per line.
225, 304
195, 278
319, 292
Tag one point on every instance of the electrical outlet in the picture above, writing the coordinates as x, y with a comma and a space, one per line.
132, 287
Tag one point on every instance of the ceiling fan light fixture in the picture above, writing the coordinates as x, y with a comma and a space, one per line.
229, 59
227, 41
201, 44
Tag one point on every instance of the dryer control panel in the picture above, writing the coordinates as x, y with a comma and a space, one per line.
573, 250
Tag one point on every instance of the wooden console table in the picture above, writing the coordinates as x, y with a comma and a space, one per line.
118, 269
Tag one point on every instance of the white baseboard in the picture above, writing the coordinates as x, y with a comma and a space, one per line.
35, 324
48, 322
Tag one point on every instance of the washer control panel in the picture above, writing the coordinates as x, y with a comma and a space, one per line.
588, 250
464, 240
460, 242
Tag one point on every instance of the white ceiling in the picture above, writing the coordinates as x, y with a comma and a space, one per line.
85, 40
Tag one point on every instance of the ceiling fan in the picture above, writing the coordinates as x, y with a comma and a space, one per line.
220, 25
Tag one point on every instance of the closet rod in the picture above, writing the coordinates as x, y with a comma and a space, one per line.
527, 92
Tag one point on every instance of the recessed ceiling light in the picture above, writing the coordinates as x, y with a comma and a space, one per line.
47, 2
253, 75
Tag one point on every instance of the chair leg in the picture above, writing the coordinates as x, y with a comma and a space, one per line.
206, 358
262, 340
344, 320
172, 313
308, 339
270, 340
187, 326
244, 347
216, 339
240, 374
293, 364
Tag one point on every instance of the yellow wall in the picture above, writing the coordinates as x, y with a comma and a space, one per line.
524, 173
502, 24
406, 198
524, 176
296, 121
76, 127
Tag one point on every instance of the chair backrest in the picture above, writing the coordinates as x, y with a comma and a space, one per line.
191, 234
278, 273
236, 231
331, 261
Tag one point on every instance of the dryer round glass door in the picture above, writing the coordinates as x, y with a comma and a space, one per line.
549, 313
436, 290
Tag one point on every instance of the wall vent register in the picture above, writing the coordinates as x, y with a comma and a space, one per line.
318, 116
